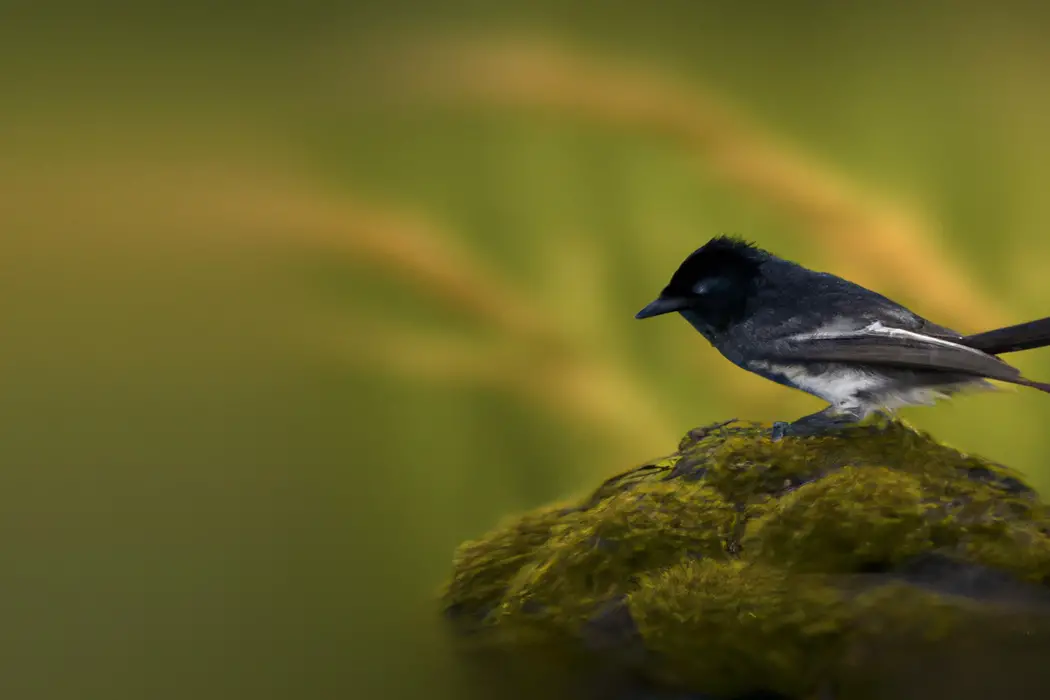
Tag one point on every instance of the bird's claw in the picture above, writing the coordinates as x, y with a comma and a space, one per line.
780, 429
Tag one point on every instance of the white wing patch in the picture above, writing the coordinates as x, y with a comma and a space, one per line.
840, 326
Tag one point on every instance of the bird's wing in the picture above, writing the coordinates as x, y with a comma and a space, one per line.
882, 345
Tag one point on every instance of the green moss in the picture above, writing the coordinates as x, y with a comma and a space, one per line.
1022, 549
592, 554
740, 564
484, 568
727, 626
854, 518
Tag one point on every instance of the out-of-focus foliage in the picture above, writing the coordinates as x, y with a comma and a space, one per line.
296, 298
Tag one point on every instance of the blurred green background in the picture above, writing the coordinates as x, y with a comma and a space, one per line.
296, 298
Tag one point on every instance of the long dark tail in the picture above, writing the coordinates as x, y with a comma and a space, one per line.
1041, 386
1023, 336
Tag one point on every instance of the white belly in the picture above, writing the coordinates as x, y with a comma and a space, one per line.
855, 388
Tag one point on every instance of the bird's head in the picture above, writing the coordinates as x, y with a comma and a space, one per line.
711, 286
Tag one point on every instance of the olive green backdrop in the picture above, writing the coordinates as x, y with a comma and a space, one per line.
295, 298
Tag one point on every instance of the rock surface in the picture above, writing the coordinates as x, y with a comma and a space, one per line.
875, 563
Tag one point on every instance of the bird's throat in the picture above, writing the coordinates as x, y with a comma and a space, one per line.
701, 323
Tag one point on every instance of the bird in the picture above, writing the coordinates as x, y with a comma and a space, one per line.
856, 349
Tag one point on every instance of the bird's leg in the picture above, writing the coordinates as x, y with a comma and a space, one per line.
831, 418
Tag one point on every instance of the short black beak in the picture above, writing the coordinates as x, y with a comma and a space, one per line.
661, 306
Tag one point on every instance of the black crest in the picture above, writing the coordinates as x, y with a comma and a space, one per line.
724, 256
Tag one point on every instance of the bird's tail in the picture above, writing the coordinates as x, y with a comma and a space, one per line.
1023, 336
1041, 386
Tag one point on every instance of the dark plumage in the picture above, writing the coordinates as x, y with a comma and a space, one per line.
832, 338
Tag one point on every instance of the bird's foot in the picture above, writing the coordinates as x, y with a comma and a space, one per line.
780, 429
830, 419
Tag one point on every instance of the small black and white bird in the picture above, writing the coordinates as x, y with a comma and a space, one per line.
854, 348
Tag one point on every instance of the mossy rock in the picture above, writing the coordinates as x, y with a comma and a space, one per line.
872, 563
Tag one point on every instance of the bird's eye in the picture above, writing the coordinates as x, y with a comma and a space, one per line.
703, 286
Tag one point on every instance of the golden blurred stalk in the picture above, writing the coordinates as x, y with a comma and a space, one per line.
865, 239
